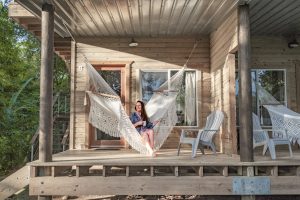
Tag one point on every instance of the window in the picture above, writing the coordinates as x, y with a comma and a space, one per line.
273, 81
151, 80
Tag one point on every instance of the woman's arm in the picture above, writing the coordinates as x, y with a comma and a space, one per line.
135, 120
139, 123
151, 124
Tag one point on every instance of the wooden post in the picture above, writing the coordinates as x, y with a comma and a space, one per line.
46, 84
46, 88
232, 99
72, 96
245, 101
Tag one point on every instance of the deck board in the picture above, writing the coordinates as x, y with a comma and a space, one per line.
123, 172
165, 157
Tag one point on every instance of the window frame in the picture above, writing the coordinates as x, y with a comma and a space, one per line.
257, 81
169, 70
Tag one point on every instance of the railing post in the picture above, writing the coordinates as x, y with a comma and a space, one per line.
32, 152
58, 105
65, 104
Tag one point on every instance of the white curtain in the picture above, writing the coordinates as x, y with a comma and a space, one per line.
190, 101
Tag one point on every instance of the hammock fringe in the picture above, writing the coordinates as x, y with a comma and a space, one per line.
282, 117
108, 115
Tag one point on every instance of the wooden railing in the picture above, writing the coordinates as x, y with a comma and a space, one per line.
60, 109
144, 179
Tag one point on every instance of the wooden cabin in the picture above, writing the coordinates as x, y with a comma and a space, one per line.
141, 42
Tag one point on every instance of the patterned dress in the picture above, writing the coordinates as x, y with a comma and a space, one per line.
135, 117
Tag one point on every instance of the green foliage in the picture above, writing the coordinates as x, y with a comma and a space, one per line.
19, 90
61, 77
273, 82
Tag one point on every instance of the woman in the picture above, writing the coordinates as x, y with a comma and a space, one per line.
142, 124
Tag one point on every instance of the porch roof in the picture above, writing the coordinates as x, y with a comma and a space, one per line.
149, 18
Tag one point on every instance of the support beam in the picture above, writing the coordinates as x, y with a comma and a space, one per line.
15, 10
245, 101
46, 89
46, 84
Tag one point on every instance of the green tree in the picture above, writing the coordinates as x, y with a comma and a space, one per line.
19, 90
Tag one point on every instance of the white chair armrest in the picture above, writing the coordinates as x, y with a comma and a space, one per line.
259, 130
268, 129
281, 133
210, 129
190, 130
184, 131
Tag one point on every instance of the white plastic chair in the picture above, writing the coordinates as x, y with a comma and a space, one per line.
261, 137
205, 136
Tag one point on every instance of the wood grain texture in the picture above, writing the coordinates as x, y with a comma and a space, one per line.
151, 54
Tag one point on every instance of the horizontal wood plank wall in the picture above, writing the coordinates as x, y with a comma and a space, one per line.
273, 53
223, 42
151, 53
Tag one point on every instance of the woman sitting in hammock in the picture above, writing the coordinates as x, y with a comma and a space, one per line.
142, 124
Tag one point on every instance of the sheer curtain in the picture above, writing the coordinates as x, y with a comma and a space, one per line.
190, 100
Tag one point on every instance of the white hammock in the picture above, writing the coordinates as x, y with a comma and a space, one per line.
108, 115
281, 116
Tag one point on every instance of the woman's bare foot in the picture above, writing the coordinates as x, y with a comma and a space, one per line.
153, 154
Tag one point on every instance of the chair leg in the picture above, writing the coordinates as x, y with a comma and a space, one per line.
178, 150
201, 148
212, 146
272, 149
194, 149
194, 152
265, 149
291, 152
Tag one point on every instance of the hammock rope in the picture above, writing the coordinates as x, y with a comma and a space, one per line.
108, 115
282, 117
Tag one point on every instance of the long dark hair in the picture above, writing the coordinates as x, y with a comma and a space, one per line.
143, 111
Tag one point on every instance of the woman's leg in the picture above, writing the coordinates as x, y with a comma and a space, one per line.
150, 134
151, 137
146, 139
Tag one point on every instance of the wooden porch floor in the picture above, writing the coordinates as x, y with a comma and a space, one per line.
166, 157
126, 172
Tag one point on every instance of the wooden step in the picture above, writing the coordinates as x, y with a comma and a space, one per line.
14, 183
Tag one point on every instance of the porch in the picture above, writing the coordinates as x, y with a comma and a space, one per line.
88, 172
125, 172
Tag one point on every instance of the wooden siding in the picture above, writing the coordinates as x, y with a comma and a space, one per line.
223, 42
152, 53
273, 53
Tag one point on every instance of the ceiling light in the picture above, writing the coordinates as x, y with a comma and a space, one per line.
133, 43
293, 44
